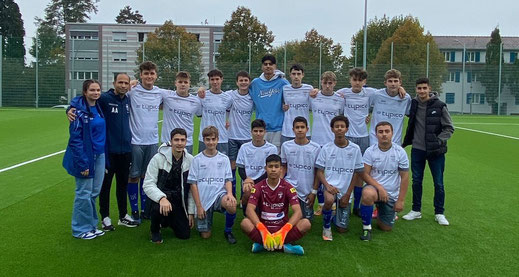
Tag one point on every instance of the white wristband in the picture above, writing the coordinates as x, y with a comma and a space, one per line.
314, 191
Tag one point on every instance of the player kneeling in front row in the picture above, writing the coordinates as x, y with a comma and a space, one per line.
267, 222
386, 172
210, 178
166, 185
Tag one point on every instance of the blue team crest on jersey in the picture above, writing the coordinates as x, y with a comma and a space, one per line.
219, 164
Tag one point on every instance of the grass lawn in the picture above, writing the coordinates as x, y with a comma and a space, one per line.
481, 204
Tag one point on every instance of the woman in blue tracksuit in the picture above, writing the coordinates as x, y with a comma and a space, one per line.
85, 159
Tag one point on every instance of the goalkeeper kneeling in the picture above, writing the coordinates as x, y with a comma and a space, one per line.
267, 222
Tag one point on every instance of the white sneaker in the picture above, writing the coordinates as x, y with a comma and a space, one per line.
107, 224
440, 218
327, 234
128, 221
412, 215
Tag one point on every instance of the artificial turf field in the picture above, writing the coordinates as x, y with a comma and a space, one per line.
481, 183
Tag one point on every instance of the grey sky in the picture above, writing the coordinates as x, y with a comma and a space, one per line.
289, 20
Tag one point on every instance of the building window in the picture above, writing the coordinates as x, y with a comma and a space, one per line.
472, 57
84, 35
449, 98
517, 100
83, 75
447, 56
513, 57
452, 76
119, 36
475, 98
119, 56
142, 37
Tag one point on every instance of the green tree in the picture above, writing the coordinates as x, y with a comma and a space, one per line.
379, 29
242, 31
12, 31
127, 16
410, 57
311, 52
162, 49
490, 72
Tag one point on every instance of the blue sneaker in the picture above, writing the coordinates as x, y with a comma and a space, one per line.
293, 249
257, 247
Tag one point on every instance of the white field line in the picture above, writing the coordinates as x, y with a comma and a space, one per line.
31, 161
488, 123
37, 159
487, 133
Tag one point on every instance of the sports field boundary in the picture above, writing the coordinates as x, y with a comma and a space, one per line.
487, 133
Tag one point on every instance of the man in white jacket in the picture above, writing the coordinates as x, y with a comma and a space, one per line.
166, 185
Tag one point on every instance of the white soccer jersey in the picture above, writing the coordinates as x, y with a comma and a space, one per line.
390, 109
210, 175
356, 109
214, 110
299, 105
240, 116
385, 167
324, 108
300, 162
179, 112
339, 164
253, 158
144, 114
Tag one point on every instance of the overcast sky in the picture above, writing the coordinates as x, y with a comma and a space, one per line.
289, 20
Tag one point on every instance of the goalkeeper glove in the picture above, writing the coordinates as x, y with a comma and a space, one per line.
266, 236
281, 234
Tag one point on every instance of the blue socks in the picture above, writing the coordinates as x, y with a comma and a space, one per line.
234, 182
133, 191
320, 194
357, 194
327, 218
143, 195
366, 212
229, 221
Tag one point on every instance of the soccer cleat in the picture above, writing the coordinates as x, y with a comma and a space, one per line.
87, 235
229, 237
128, 221
257, 247
98, 232
374, 214
107, 224
293, 249
366, 235
327, 234
319, 211
440, 218
156, 238
412, 215
135, 217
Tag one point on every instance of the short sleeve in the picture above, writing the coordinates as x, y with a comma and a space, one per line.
192, 177
408, 106
321, 159
368, 159
359, 165
255, 194
403, 161
291, 194
283, 154
240, 160
228, 172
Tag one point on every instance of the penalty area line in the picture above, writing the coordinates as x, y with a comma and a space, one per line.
487, 133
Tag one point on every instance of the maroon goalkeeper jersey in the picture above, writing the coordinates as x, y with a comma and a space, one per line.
272, 204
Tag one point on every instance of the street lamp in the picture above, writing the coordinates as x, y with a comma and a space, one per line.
463, 74
364, 50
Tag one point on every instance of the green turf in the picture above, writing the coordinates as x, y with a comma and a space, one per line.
481, 204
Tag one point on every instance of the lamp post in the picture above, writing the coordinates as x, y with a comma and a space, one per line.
364, 50
463, 74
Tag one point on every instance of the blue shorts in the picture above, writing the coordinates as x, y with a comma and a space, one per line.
141, 157
234, 147
362, 142
386, 212
204, 225
342, 215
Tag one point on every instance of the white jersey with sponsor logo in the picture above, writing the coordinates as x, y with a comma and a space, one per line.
324, 108
253, 158
339, 164
392, 109
179, 112
300, 162
144, 114
299, 105
386, 166
214, 111
240, 116
210, 175
356, 109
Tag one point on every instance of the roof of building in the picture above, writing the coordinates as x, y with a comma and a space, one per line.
473, 42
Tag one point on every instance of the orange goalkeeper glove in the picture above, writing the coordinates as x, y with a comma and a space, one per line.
266, 236
281, 234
